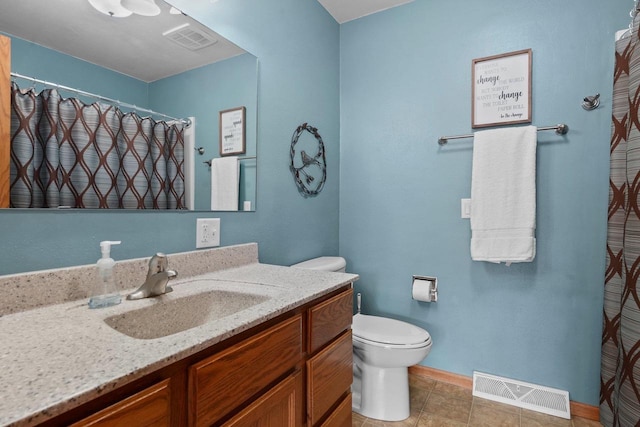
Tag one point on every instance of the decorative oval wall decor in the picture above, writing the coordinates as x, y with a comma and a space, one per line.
309, 170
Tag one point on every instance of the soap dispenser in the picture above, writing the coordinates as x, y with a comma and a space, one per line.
104, 292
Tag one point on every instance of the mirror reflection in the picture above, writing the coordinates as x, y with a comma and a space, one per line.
156, 80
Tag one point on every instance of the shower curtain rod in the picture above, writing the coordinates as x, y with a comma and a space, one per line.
560, 129
100, 97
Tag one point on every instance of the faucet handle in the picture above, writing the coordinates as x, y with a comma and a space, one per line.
157, 278
157, 264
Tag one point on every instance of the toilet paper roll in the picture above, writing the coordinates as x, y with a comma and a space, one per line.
422, 290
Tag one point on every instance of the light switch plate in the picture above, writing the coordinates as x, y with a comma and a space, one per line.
465, 208
207, 232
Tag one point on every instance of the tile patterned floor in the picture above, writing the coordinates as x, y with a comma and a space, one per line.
438, 404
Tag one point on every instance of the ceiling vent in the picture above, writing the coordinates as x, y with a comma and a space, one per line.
189, 37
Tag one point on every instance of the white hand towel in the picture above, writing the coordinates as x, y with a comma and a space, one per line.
503, 195
225, 184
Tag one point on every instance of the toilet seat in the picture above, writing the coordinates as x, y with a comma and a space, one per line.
390, 333
324, 263
392, 346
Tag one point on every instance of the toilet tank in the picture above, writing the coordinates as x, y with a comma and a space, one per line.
324, 263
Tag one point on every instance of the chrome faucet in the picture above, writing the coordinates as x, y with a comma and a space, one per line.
157, 279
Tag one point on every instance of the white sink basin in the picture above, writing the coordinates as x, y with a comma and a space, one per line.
170, 316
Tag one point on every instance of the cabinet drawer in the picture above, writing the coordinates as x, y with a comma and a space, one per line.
329, 318
341, 416
224, 381
329, 376
276, 408
150, 407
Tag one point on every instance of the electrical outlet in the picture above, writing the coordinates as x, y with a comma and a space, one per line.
465, 208
207, 232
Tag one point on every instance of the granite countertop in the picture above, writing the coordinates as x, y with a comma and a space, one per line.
60, 356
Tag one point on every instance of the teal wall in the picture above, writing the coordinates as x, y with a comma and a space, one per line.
387, 86
299, 82
202, 93
405, 81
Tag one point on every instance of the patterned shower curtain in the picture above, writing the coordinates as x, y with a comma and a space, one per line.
65, 153
620, 367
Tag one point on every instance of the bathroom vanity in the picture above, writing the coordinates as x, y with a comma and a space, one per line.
280, 355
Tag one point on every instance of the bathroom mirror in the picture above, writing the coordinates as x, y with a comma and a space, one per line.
167, 63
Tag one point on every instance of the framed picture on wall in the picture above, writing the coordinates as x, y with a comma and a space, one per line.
231, 125
501, 89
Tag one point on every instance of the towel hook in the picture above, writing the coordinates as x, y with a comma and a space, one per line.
591, 102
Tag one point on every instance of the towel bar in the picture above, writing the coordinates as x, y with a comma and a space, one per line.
561, 129
239, 158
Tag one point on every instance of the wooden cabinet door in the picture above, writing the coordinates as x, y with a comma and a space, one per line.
341, 416
276, 408
149, 408
329, 377
222, 382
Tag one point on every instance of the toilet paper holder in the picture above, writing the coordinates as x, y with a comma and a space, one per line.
418, 288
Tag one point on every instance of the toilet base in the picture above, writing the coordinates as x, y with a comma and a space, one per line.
381, 393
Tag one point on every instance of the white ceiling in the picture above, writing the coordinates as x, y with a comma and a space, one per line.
134, 46
348, 10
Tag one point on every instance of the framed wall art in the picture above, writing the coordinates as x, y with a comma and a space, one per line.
231, 127
501, 89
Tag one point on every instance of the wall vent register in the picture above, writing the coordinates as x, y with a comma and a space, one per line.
521, 394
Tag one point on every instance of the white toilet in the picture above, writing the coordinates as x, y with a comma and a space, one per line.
383, 349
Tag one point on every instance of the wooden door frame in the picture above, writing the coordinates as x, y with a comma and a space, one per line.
5, 118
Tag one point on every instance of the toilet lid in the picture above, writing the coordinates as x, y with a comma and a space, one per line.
388, 331
324, 263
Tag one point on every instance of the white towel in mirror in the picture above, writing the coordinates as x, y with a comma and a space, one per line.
225, 183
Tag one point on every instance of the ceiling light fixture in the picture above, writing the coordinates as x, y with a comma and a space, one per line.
124, 8
111, 8
141, 7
